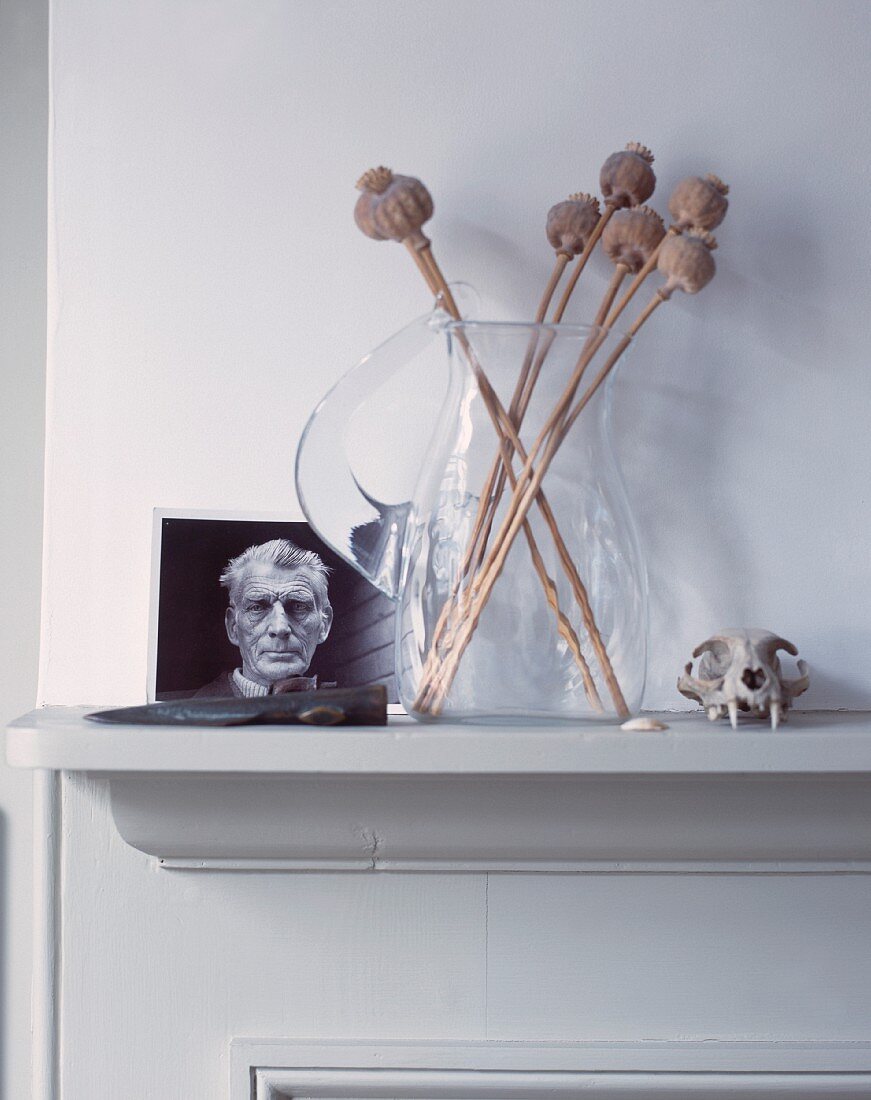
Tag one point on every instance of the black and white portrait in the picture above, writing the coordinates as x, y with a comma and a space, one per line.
247, 606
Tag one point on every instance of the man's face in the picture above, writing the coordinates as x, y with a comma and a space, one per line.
277, 619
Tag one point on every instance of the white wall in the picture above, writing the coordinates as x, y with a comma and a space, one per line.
207, 283
23, 117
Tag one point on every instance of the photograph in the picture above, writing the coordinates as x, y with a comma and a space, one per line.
249, 605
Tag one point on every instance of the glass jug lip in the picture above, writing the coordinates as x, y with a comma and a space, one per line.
450, 324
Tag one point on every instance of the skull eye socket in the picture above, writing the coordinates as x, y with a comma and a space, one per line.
753, 679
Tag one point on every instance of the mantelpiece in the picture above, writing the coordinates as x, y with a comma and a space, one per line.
478, 798
698, 925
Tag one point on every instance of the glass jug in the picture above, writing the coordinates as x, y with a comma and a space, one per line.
510, 550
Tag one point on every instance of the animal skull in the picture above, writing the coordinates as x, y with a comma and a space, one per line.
739, 670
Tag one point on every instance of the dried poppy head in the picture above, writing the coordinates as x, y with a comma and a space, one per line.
687, 262
631, 236
392, 207
626, 178
570, 223
698, 202
370, 185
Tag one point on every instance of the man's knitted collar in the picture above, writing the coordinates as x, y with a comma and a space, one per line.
251, 690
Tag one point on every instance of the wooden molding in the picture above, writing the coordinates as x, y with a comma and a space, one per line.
284, 1070
694, 798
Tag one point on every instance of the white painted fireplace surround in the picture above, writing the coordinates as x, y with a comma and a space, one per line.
406, 913
417, 912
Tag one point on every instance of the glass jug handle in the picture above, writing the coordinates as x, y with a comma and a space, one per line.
365, 532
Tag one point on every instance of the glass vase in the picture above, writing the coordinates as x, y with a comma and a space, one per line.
512, 555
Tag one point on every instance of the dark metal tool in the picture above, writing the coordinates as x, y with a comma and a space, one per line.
356, 706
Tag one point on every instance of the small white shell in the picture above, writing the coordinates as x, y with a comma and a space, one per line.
644, 725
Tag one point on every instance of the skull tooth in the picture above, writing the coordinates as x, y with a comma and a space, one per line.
713, 714
775, 715
733, 713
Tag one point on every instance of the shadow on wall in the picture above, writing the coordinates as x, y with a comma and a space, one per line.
828, 690
674, 442
714, 444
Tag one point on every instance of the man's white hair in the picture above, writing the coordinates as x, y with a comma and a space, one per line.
284, 554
